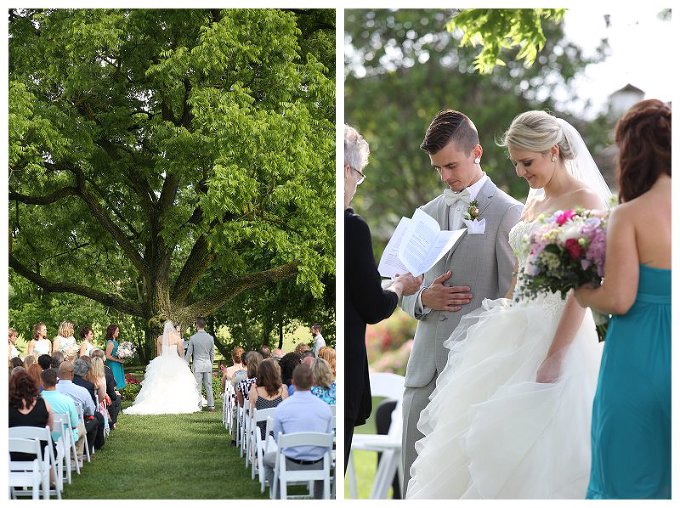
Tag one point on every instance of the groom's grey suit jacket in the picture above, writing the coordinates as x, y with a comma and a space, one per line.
202, 349
484, 262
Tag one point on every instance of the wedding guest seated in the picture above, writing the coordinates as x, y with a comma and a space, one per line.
81, 396
16, 369
308, 358
328, 354
80, 371
114, 395
288, 364
323, 384
302, 348
64, 404
27, 408
269, 391
240, 374
34, 371
30, 360
301, 412
243, 388
16, 362
277, 354
57, 358
45, 361
237, 364
96, 376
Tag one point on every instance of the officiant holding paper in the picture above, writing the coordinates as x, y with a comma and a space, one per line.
365, 299
478, 266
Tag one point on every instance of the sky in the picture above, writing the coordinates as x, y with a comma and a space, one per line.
639, 52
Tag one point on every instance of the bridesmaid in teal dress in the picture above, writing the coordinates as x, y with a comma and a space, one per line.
112, 359
631, 426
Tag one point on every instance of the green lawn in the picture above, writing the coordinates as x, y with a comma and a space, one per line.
166, 457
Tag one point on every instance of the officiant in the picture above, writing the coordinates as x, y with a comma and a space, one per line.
366, 301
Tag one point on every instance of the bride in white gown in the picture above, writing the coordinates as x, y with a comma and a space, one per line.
510, 416
169, 387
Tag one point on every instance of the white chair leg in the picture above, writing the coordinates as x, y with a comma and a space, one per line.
353, 491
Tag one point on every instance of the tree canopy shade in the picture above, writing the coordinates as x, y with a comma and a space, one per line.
161, 162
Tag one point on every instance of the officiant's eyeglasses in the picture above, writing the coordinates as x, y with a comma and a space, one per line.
363, 176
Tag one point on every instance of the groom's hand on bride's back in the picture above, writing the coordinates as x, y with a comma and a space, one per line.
450, 298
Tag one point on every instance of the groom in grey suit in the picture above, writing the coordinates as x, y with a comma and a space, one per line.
479, 266
202, 349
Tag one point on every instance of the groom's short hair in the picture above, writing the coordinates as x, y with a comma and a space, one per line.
447, 126
200, 322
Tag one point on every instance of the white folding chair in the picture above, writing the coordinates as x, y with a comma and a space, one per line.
257, 442
47, 458
390, 386
283, 477
64, 421
262, 450
25, 473
81, 417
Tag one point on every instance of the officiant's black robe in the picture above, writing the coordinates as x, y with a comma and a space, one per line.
365, 302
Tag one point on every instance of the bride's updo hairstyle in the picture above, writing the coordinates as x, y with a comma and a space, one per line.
537, 131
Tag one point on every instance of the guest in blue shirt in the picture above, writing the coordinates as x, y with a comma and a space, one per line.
61, 403
301, 412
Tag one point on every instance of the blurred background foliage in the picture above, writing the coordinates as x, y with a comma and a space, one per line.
401, 68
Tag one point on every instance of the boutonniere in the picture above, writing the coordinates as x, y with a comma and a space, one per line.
472, 211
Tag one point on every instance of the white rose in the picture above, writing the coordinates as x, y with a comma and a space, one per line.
572, 231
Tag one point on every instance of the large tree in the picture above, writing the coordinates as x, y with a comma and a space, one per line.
164, 161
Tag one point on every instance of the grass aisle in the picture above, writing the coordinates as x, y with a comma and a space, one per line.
166, 457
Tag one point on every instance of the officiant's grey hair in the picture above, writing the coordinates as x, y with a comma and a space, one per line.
356, 148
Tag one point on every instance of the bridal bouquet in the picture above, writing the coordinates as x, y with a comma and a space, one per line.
126, 350
566, 251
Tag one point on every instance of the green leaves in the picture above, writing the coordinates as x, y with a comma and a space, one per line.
203, 139
497, 30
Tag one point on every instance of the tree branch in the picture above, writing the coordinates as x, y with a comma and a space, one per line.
100, 214
197, 263
234, 287
67, 287
43, 200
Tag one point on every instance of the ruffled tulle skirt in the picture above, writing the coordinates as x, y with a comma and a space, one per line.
169, 387
492, 431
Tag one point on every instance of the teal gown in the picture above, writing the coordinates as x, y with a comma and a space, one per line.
116, 367
631, 426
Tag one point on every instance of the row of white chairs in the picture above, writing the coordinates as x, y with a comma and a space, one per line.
241, 422
34, 476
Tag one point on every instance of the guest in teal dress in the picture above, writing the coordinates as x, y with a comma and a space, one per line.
631, 426
323, 382
112, 359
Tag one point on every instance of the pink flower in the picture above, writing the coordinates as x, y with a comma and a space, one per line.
565, 216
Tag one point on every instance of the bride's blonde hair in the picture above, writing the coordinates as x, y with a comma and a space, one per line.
537, 131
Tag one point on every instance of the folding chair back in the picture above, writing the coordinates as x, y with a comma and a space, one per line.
24, 473
47, 458
283, 477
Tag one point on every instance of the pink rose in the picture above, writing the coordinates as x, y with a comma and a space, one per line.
565, 216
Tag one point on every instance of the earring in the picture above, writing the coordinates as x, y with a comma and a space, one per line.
477, 159
554, 159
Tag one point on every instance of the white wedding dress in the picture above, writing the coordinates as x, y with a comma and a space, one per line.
492, 431
169, 386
